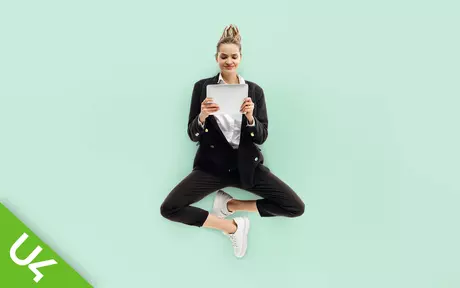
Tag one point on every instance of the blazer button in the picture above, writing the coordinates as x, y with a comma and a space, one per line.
206, 130
212, 146
252, 134
257, 158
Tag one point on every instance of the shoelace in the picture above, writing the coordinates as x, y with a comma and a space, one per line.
233, 239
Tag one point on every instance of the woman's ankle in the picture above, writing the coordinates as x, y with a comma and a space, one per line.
233, 227
242, 205
232, 205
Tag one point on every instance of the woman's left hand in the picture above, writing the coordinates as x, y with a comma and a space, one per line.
248, 108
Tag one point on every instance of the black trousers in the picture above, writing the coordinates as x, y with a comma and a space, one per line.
278, 198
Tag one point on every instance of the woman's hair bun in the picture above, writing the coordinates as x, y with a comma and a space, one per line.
232, 32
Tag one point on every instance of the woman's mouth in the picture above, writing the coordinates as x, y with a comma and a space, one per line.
229, 67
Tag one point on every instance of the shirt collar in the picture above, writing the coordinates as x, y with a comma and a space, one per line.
221, 80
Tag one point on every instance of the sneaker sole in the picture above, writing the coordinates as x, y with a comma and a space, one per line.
245, 243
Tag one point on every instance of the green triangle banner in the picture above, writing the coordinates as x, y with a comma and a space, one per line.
26, 261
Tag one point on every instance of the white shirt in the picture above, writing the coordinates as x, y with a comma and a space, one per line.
230, 125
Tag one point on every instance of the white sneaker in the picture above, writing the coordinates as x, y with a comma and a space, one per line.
240, 237
220, 204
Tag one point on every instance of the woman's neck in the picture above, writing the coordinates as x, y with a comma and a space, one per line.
231, 79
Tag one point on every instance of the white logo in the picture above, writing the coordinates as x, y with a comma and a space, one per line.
34, 266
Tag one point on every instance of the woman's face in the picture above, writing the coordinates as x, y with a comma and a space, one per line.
228, 58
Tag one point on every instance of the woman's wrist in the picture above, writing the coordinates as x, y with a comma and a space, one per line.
202, 118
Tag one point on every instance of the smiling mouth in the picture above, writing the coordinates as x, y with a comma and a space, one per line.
229, 67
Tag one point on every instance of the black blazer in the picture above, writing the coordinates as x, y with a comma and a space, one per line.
215, 154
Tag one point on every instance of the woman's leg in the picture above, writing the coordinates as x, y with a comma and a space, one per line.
194, 187
242, 205
227, 226
197, 185
278, 198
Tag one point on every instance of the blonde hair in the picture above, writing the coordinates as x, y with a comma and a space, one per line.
231, 35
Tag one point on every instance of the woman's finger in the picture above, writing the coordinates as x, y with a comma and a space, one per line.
212, 108
249, 105
207, 100
208, 110
209, 106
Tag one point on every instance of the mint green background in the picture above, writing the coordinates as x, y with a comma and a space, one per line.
12, 275
363, 101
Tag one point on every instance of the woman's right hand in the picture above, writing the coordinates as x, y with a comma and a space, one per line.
207, 107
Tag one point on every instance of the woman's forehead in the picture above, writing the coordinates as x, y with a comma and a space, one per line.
229, 49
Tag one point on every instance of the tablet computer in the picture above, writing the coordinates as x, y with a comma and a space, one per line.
229, 97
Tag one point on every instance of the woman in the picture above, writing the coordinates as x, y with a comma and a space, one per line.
229, 156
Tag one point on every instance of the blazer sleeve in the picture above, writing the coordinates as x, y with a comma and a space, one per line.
259, 132
194, 129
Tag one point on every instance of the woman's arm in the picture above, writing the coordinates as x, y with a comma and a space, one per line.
259, 132
194, 128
